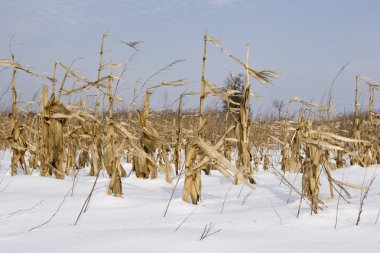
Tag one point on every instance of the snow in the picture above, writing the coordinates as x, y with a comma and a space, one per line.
258, 220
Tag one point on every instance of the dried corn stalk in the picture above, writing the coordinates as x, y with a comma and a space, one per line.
295, 160
193, 184
339, 159
54, 120
151, 142
18, 143
242, 130
112, 156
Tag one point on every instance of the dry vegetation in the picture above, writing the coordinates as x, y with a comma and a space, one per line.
63, 137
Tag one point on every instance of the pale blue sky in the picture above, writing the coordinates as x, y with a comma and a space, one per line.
307, 41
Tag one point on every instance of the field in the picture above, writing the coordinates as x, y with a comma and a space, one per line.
259, 220
86, 175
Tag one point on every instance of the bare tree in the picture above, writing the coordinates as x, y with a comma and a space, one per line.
234, 82
279, 106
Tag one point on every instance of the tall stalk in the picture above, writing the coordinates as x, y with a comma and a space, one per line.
115, 186
203, 81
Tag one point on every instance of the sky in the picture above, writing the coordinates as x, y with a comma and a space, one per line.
307, 41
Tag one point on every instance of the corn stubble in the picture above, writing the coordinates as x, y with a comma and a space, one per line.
62, 138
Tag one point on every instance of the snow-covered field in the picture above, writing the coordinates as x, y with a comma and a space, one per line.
251, 221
